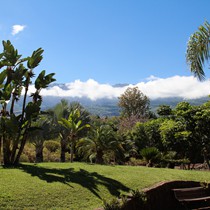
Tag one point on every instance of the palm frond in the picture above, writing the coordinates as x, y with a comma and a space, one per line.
198, 50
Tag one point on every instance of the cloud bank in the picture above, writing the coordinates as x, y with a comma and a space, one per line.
186, 87
17, 29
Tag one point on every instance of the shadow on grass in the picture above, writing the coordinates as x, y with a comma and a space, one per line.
82, 177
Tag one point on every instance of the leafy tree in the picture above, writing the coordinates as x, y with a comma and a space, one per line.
184, 114
134, 103
152, 131
126, 124
175, 137
198, 50
73, 125
202, 131
164, 110
15, 79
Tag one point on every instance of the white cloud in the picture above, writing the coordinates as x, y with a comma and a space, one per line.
176, 86
17, 29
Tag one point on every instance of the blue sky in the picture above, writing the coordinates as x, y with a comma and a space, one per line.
108, 41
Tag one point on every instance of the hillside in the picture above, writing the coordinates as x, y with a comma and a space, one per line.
79, 185
109, 107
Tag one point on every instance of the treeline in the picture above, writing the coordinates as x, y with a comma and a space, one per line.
137, 137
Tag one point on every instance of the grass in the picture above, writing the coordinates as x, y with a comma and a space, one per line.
78, 186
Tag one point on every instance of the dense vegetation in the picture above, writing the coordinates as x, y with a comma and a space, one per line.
177, 136
15, 79
137, 137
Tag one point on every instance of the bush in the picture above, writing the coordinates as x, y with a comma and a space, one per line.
52, 145
136, 162
151, 155
137, 200
112, 205
28, 154
51, 156
109, 157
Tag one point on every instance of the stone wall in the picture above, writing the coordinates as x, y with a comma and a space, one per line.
161, 197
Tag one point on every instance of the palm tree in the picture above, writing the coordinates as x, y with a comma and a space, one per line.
61, 110
198, 50
99, 141
43, 128
73, 126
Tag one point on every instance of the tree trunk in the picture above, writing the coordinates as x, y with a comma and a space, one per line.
99, 157
1, 159
72, 152
206, 159
6, 152
39, 153
23, 142
63, 150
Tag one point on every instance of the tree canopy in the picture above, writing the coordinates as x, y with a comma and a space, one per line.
134, 103
198, 50
15, 79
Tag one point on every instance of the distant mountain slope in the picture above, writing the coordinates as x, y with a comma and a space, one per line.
109, 107
105, 106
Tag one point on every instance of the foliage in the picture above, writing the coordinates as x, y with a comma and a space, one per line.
100, 140
52, 145
151, 155
139, 197
42, 129
15, 79
198, 50
114, 204
73, 126
62, 110
127, 123
136, 162
151, 129
29, 154
134, 103
164, 110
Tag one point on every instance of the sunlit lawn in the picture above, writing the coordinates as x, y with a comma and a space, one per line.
78, 185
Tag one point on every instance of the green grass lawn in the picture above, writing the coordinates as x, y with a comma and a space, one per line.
78, 186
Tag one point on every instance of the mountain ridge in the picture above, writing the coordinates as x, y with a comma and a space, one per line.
109, 107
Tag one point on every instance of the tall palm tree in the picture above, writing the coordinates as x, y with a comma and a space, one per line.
73, 126
198, 50
43, 128
61, 110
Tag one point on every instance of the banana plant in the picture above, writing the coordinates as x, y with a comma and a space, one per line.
15, 79
73, 125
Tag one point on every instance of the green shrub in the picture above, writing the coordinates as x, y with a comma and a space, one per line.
28, 154
151, 155
114, 204
137, 200
51, 156
109, 157
52, 145
139, 195
136, 162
